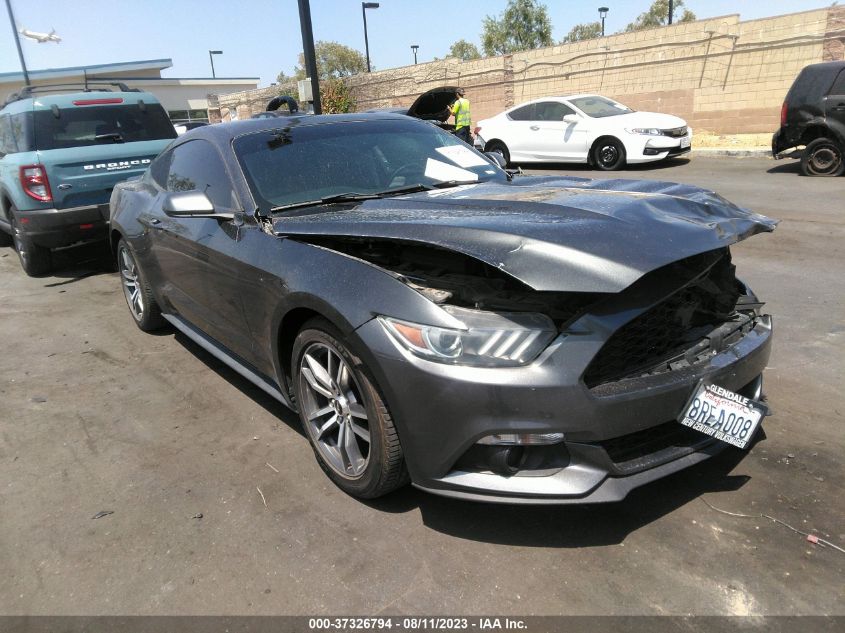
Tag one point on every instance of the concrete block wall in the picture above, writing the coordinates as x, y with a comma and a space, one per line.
723, 75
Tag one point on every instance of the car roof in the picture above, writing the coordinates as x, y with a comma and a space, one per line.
222, 133
558, 98
45, 101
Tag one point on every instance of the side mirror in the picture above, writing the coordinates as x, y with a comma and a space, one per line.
497, 158
571, 118
194, 204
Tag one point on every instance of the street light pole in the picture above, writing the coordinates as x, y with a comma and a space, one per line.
17, 43
415, 48
364, 7
211, 59
603, 14
309, 54
671, 10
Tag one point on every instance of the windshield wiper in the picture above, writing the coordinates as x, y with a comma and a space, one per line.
454, 183
337, 198
109, 136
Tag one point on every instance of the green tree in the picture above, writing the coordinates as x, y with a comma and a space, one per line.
334, 61
581, 32
523, 25
464, 50
335, 97
658, 15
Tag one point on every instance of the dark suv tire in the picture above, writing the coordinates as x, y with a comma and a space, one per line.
35, 260
822, 157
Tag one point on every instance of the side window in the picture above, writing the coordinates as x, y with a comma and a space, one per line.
525, 113
7, 141
160, 167
552, 111
196, 166
839, 85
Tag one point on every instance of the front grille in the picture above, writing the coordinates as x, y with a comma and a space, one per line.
651, 447
675, 132
669, 328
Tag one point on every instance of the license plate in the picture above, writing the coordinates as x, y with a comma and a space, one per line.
685, 142
723, 414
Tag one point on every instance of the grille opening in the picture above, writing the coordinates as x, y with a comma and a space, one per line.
705, 301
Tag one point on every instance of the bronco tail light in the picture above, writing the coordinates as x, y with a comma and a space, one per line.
34, 182
783, 114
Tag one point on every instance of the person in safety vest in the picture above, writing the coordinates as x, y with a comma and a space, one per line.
460, 110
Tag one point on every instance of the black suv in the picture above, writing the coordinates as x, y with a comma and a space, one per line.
813, 116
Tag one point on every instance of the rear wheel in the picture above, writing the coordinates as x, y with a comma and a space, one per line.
35, 260
344, 416
822, 157
609, 154
136, 290
500, 148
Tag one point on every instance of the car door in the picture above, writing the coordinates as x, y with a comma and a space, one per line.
197, 257
557, 139
517, 134
835, 100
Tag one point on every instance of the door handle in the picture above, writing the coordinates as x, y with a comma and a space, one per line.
535, 127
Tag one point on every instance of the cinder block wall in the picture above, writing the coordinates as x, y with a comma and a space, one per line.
722, 75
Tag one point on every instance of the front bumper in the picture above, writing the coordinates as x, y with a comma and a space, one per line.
56, 228
441, 411
641, 148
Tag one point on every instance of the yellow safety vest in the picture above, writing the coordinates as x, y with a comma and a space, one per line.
461, 111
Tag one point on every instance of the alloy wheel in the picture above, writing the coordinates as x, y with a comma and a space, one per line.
608, 155
131, 283
334, 410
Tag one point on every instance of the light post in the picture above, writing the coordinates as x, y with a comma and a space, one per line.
17, 43
211, 59
364, 7
603, 14
671, 10
415, 48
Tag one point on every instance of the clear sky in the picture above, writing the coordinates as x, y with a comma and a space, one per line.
261, 37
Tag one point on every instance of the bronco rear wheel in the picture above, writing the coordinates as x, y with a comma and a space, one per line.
35, 260
343, 414
822, 157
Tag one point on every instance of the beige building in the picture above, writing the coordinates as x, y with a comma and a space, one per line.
185, 98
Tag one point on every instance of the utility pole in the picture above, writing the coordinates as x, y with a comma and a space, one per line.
17, 42
308, 53
671, 10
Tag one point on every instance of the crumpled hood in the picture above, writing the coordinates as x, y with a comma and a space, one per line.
553, 234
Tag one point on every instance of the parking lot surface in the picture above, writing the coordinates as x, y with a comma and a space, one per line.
96, 416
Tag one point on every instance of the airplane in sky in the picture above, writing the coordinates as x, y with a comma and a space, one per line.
41, 37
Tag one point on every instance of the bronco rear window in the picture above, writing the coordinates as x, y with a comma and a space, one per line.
95, 125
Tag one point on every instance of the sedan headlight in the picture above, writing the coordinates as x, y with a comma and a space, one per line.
488, 339
648, 131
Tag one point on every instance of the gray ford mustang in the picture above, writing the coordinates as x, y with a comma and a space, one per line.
434, 319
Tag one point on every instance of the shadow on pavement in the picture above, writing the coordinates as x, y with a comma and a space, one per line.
786, 167
571, 526
270, 404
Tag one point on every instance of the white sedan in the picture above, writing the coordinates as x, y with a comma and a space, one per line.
583, 129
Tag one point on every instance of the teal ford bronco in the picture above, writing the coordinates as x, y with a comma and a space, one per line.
60, 157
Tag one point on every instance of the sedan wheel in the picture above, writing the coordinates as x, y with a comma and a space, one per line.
345, 417
139, 296
609, 154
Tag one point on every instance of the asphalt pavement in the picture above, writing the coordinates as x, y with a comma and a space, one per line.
97, 417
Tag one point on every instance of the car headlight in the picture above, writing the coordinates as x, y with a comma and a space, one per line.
648, 131
488, 339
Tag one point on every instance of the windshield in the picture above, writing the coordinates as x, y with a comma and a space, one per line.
600, 107
95, 125
303, 163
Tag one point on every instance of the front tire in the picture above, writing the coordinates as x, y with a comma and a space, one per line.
822, 157
35, 260
609, 154
501, 148
137, 292
343, 414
